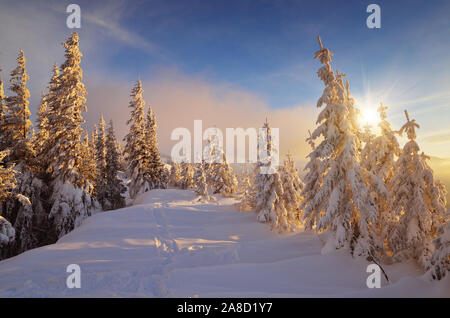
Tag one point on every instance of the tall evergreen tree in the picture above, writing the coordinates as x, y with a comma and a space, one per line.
268, 189
70, 200
136, 149
114, 185
341, 203
418, 202
16, 123
187, 176
43, 133
100, 157
202, 187
313, 181
378, 158
175, 175
292, 187
156, 174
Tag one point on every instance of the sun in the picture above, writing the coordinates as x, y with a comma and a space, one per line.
369, 116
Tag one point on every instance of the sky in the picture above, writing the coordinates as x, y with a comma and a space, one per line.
234, 63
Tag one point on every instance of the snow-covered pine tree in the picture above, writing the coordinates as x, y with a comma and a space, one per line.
378, 158
42, 134
313, 181
247, 187
136, 149
7, 184
114, 185
7, 235
439, 264
156, 173
219, 174
417, 201
268, 192
341, 203
175, 175
187, 176
202, 187
224, 181
100, 158
16, 122
70, 199
292, 187
23, 209
378, 155
7, 177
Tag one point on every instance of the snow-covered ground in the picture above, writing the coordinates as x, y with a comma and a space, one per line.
168, 245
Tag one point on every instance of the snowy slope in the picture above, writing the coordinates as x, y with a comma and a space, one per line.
167, 245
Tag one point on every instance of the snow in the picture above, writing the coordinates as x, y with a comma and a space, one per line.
169, 244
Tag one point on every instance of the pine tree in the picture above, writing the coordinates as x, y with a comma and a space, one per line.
341, 202
43, 133
224, 181
100, 158
439, 264
136, 149
7, 178
65, 148
313, 181
156, 172
16, 122
247, 186
202, 186
292, 187
7, 235
187, 176
378, 158
417, 201
175, 175
114, 185
268, 193
7, 184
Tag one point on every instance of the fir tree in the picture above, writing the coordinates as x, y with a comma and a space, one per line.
136, 149
7, 235
341, 202
439, 264
7, 178
100, 157
417, 202
268, 193
202, 186
65, 148
156, 172
378, 158
16, 122
292, 187
313, 181
114, 185
175, 175
187, 176
224, 181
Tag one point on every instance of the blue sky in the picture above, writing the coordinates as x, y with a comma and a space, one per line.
259, 52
